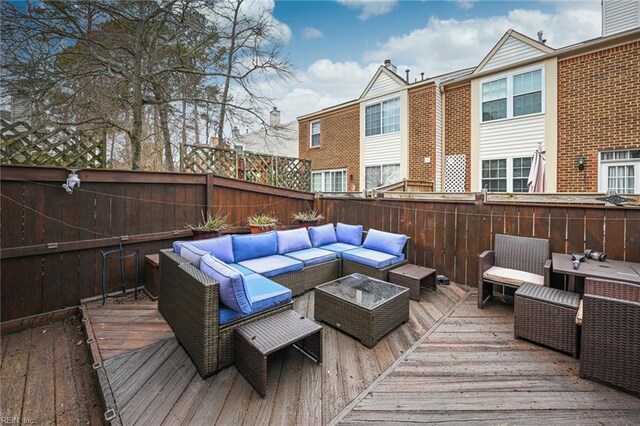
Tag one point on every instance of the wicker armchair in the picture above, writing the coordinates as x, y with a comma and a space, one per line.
610, 348
529, 255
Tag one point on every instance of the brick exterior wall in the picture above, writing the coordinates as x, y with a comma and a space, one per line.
598, 109
339, 143
457, 126
422, 133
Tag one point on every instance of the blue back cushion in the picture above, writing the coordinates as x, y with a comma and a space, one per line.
292, 240
349, 234
232, 284
255, 245
192, 253
220, 247
322, 235
385, 242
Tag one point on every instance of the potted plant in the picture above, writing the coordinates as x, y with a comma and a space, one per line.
261, 223
210, 227
307, 218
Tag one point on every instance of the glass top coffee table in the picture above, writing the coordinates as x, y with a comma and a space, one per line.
361, 306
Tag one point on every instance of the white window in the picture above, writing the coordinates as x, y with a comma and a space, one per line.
512, 96
376, 176
329, 181
506, 174
382, 118
620, 171
315, 134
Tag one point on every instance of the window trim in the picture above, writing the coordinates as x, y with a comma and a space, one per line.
603, 178
322, 172
311, 134
380, 166
509, 76
396, 97
510, 177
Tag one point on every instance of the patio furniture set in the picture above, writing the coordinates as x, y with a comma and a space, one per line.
228, 299
602, 327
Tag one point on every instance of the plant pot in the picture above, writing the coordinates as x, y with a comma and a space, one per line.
307, 223
257, 229
204, 235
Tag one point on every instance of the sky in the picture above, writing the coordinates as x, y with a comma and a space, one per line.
336, 46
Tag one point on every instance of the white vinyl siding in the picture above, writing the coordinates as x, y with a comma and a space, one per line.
383, 84
511, 52
619, 15
518, 137
329, 181
382, 149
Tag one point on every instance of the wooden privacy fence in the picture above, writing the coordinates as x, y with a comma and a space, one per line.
52, 241
59, 146
449, 235
283, 172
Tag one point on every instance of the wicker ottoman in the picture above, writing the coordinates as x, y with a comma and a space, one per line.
547, 316
412, 277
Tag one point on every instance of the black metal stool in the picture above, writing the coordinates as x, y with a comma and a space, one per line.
120, 255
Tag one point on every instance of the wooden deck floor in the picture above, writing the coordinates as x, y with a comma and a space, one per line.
159, 384
471, 369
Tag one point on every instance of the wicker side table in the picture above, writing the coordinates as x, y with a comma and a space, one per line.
412, 277
255, 341
547, 316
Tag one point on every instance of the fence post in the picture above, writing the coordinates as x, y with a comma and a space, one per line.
181, 155
274, 170
104, 148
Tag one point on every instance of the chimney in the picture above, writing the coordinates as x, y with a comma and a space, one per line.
275, 117
540, 39
388, 65
421, 76
407, 72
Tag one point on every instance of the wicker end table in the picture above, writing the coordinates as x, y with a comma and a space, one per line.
361, 306
547, 316
255, 341
412, 277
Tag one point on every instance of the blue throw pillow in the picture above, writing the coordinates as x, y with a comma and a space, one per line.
252, 246
192, 253
232, 285
322, 235
385, 242
292, 240
220, 247
349, 234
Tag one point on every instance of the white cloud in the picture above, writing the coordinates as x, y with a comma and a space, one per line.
369, 8
311, 33
465, 4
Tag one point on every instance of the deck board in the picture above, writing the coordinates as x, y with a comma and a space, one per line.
471, 369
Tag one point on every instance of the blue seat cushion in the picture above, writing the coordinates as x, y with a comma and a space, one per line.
253, 246
244, 271
349, 234
385, 242
322, 235
292, 240
220, 247
375, 259
312, 256
272, 266
262, 292
339, 248
231, 283
192, 253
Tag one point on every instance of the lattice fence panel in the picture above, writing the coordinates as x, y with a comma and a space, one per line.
455, 173
21, 144
258, 168
293, 173
207, 159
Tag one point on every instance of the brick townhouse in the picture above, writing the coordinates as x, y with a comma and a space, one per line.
478, 128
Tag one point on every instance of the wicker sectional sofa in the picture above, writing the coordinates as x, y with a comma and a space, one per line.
200, 304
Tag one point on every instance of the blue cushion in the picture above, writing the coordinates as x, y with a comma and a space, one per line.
220, 247
254, 245
312, 256
271, 266
339, 248
375, 259
264, 293
292, 240
385, 242
349, 234
244, 271
192, 253
232, 284
322, 235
